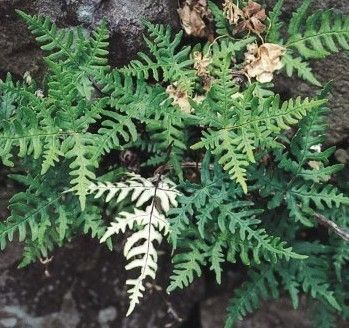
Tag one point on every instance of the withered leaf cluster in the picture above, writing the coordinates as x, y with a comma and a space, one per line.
201, 65
262, 61
179, 97
250, 18
196, 18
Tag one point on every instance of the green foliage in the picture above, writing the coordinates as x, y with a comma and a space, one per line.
302, 68
186, 145
168, 62
262, 285
324, 32
231, 223
233, 135
222, 25
275, 23
311, 275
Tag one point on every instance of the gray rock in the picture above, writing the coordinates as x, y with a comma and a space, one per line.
18, 316
342, 155
106, 315
84, 286
8, 323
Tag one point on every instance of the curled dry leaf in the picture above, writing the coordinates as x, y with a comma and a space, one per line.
232, 12
250, 18
254, 16
195, 18
262, 61
201, 63
179, 97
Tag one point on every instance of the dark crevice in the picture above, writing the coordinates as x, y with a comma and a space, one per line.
193, 320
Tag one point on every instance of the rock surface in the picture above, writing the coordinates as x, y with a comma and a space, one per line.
84, 287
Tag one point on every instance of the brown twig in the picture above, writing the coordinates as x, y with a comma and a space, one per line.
341, 232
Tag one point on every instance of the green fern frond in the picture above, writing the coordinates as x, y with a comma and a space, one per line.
31, 211
323, 316
222, 48
298, 17
301, 67
114, 127
319, 196
313, 275
221, 215
165, 62
187, 265
275, 24
324, 33
235, 138
79, 149
262, 285
59, 42
167, 131
217, 258
225, 146
51, 153
221, 22
310, 275
98, 52
341, 257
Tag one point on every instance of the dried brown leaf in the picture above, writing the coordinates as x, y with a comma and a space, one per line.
196, 18
250, 18
261, 62
201, 63
179, 97
232, 12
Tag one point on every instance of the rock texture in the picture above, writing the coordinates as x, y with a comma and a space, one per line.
84, 287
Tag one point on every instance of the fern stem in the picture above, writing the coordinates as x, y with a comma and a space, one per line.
323, 34
341, 232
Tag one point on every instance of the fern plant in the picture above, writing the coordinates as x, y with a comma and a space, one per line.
151, 224
228, 171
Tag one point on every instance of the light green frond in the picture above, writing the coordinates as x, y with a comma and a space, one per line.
79, 149
300, 67
324, 33
275, 24
166, 60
